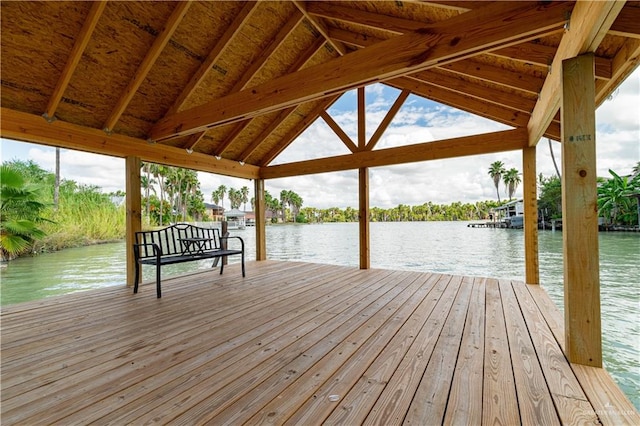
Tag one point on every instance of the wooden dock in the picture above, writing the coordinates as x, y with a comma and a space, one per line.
300, 344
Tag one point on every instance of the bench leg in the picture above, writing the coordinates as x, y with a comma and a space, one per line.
158, 281
221, 265
243, 265
136, 278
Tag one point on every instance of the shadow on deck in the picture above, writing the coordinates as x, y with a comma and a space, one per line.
300, 343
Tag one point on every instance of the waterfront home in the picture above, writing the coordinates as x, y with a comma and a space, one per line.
226, 87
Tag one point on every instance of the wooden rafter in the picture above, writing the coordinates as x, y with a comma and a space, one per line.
214, 55
320, 27
627, 24
298, 129
386, 121
506, 140
495, 96
597, 17
539, 54
623, 64
462, 102
74, 57
338, 131
468, 67
496, 75
254, 69
484, 29
147, 63
282, 115
364, 18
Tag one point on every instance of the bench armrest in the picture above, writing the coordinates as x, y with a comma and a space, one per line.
241, 240
157, 250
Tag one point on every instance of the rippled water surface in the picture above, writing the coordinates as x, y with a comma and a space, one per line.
447, 247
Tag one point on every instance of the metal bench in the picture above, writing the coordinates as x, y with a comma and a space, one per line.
181, 243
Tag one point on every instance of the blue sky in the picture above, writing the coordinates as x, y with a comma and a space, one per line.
442, 181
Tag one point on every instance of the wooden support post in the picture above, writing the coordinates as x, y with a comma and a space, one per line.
529, 178
580, 213
362, 128
363, 218
261, 238
134, 213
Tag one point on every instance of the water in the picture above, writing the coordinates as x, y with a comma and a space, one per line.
447, 247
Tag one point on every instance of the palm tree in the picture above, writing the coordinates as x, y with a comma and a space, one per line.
245, 196
496, 170
19, 212
221, 191
284, 200
511, 181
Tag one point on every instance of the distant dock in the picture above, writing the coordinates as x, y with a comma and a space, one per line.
488, 225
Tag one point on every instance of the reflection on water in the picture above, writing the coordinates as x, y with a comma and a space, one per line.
446, 247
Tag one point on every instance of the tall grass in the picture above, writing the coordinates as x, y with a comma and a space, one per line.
84, 216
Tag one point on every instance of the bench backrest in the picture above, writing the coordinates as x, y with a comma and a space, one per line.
169, 239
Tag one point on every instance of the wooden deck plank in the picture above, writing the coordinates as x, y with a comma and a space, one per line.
610, 404
311, 386
400, 330
147, 344
396, 397
569, 399
273, 347
499, 392
287, 322
534, 399
357, 400
315, 367
177, 325
152, 355
432, 394
465, 398
290, 363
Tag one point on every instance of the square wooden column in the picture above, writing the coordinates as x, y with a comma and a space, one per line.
529, 184
363, 218
261, 235
580, 213
134, 212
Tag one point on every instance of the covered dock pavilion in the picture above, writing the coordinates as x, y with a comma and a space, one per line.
225, 87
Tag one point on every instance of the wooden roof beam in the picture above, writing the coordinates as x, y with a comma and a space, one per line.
589, 23
462, 102
298, 129
215, 53
74, 58
462, 36
507, 140
284, 114
626, 60
331, 10
147, 63
319, 26
496, 75
386, 121
453, 83
338, 131
32, 128
275, 123
539, 54
253, 70
627, 24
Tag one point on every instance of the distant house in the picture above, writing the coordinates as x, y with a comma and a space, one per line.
214, 211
